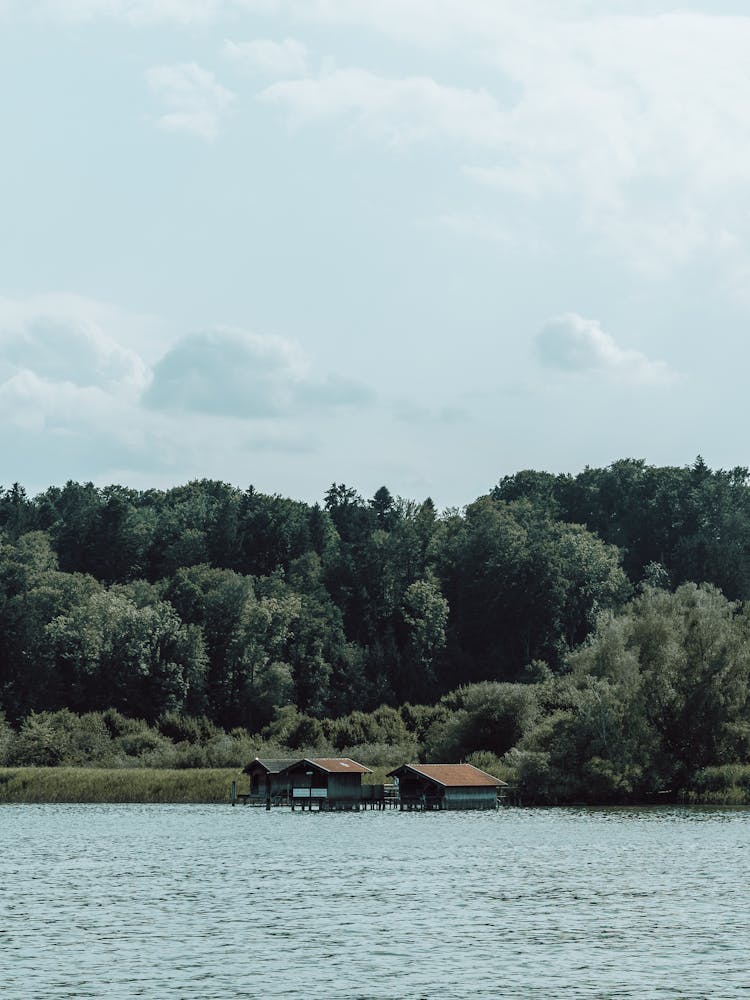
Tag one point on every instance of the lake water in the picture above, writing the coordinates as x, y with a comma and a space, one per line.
208, 903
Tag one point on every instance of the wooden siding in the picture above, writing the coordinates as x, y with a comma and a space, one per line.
469, 798
264, 784
345, 786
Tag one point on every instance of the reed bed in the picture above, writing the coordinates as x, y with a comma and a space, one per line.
91, 784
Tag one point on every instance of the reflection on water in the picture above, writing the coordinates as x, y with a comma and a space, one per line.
208, 903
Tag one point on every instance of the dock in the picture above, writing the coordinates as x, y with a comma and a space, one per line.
339, 784
316, 799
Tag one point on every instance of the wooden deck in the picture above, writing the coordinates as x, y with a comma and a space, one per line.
373, 797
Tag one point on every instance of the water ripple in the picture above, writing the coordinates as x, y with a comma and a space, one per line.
209, 903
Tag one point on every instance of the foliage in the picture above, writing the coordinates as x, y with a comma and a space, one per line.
659, 694
537, 628
727, 784
61, 738
488, 716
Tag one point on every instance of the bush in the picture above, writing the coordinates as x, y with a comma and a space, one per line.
536, 780
52, 739
143, 743
187, 728
290, 728
728, 784
492, 764
446, 739
490, 716
7, 737
120, 725
387, 755
419, 718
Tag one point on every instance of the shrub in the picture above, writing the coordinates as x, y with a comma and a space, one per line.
536, 780
52, 739
384, 725
489, 762
387, 755
419, 718
186, 728
142, 742
7, 737
490, 716
728, 784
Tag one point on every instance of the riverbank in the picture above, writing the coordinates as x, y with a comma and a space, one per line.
93, 784
213, 785
142, 784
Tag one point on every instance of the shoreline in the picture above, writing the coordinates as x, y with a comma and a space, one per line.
39, 785
211, 786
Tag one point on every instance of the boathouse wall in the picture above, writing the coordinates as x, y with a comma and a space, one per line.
345, 787
469, 798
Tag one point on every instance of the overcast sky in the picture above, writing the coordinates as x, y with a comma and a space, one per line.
419, 243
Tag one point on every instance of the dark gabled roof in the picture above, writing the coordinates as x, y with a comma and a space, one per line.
451, 775
271, 765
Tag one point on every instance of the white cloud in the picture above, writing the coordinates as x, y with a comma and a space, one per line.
571, 343
142, 13
268, 58
227, 372
632, 114
64, 339
234, 373
70, 385
73, 385
137, 12
635, 116
400, 110
32, 402
483, 227
196, 102
527, 179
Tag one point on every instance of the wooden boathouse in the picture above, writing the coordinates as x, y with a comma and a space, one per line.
326, 783
445, 786
266, 785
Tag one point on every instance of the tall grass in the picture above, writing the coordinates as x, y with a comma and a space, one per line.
89, 784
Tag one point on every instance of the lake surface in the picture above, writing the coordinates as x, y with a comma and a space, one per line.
209, 902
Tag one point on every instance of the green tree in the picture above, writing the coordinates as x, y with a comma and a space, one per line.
659, 692
425, 614
217, 601
487, 716
141, 661
520, 586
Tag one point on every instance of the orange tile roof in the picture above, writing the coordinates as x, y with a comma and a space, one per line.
455, 775
340, 765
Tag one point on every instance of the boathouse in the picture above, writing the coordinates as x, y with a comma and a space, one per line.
266, 781
445, 786
325, 782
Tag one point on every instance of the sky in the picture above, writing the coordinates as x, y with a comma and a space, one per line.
414, 243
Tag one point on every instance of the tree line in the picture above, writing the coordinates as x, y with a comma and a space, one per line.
555, 624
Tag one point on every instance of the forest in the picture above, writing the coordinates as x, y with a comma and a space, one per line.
586, 637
